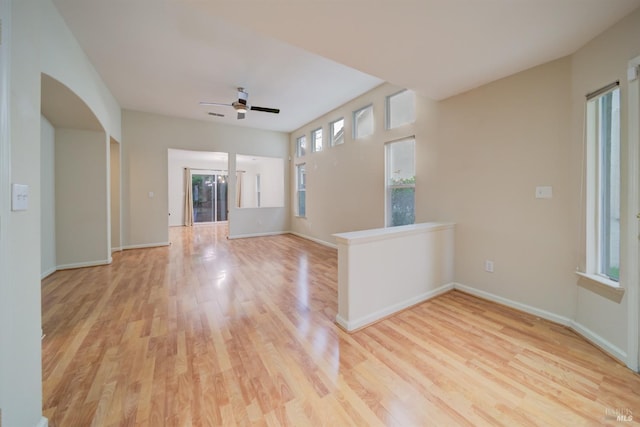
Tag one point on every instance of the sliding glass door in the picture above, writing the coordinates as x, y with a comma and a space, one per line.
209, 197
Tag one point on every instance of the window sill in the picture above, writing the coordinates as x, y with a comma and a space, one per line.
601, 286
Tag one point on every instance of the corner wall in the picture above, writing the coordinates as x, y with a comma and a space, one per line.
38, 41
145, 170
495, 145
345, 184
81, 205
602, 61
20, 352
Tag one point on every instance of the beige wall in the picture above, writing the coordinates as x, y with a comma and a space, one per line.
480, 156
147, 138
495, 145
82, 236
345, 183
602, 61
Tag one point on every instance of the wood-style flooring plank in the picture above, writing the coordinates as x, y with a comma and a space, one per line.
218, 332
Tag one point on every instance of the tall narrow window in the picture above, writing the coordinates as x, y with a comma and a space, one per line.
400, 109
301, 146
301, 190
401, 182
603, 191
336, 132
316, 140
363, 122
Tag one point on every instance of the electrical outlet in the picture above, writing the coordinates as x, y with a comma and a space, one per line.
488, 266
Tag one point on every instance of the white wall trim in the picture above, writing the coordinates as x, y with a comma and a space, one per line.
578, 328
268, 233
48, 273
313, 239
514, 304
145, 245
369, 319
44, 422
598, 341
84, 264
631, 274
116, 249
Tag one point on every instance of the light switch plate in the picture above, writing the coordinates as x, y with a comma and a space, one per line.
19, 197
545, 192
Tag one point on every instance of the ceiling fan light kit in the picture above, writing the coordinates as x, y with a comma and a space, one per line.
241, 106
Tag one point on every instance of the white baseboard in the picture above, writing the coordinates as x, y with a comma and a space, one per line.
116, 249
343, 323
84, 264
47, 273
514, 304
247, 236
313, 239
600, 342
44, 422
145, 245
369, 319
578, 328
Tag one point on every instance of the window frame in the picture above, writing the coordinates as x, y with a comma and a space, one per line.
388, 216
599, 186
301, 189
314, 140
355, 121
332, 140
388, 110
301, 149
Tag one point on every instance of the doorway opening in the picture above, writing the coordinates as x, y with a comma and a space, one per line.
198, 187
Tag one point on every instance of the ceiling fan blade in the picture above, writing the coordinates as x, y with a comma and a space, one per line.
265, 109
214, 103
215, 114
240, 116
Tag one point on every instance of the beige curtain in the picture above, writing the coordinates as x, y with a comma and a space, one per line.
239, 188
188, 198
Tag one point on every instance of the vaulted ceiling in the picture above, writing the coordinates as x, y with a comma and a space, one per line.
307, 57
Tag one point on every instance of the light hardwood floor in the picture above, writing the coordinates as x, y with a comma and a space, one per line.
212, 332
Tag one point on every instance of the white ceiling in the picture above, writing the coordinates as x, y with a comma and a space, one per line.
303, 56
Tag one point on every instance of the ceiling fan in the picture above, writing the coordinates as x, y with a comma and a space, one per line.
241, 105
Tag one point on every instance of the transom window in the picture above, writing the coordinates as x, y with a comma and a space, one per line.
336, 132
301, 146
400, 109
363, 122
316, 140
